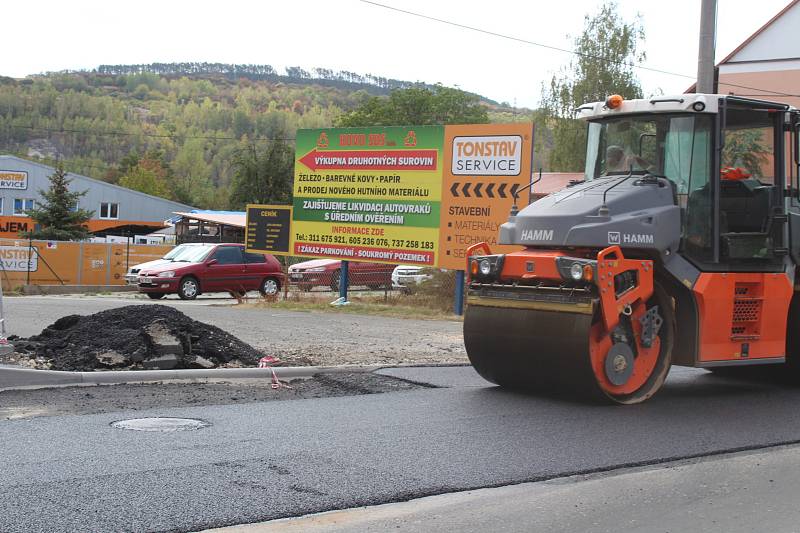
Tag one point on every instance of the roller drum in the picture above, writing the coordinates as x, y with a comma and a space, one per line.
531, 349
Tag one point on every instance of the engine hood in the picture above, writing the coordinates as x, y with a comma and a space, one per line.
641, 214
151, 264
315, 263
176, 266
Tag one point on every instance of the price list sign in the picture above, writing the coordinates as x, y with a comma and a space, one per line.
269, 229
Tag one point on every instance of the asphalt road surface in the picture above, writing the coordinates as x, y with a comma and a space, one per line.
743, 492
261, 461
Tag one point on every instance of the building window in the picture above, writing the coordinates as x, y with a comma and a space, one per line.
21, 205
108, 210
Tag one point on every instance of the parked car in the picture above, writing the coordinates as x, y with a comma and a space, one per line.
404, 276
326, 273
132, 276
192, 269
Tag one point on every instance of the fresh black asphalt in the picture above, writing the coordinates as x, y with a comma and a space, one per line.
276, 459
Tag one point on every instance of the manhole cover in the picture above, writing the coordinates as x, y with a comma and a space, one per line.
163, 424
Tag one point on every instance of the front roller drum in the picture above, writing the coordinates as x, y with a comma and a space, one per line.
568, 353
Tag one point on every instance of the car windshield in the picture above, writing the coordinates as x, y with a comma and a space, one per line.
174, 252
188, 253
674, 146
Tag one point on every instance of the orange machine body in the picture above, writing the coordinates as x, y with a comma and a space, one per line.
742, 315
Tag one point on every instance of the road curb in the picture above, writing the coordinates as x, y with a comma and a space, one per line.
15, 378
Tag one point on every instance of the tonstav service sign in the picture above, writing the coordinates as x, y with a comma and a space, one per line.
13, 179
369, 194
487, 164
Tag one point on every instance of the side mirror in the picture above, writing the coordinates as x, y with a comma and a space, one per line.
211, 262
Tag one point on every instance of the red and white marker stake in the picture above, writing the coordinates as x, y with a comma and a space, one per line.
267, 362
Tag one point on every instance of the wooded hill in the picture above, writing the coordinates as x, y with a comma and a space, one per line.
184, 121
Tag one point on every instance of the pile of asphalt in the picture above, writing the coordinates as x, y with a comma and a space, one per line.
130, 338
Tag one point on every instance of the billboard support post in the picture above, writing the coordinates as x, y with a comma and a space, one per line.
343, 280
459, 296
30, 257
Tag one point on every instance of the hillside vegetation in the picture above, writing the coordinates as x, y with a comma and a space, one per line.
176, 129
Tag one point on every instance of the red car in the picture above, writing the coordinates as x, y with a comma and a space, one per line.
192, 269
326, 273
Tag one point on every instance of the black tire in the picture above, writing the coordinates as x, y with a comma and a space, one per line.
270, 287
335, 281
155, 295
375, 287
188, 288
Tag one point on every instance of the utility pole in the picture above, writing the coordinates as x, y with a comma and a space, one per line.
707, 47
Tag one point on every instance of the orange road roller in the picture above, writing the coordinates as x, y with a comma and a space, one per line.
679, 247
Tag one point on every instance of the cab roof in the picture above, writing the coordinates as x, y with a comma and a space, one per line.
681, 103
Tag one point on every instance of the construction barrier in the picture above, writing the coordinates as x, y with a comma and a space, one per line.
24, 262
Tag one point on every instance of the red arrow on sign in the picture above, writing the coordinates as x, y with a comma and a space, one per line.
371, 159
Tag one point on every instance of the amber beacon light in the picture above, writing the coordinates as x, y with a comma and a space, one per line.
614, 101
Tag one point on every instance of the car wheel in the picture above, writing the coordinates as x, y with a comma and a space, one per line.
335, 281
270, 287
188, 289
375, 287
155, 295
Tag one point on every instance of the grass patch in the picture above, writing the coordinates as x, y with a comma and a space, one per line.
397, 306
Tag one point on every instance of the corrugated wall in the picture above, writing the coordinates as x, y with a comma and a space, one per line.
70, 263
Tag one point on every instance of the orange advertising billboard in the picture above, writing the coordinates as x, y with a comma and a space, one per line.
485, 164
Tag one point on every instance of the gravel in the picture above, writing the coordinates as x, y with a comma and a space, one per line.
132, 337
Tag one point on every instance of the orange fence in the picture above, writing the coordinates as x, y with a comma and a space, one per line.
25, 262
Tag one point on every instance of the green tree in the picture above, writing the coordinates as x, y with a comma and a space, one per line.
262, 177
58, 217
192, 182
418, 106
149, 177
746, 148
602, 65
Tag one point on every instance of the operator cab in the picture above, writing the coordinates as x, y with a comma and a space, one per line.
723, 155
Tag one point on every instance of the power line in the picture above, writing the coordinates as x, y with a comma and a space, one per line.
564, 50
524, 41
143, 134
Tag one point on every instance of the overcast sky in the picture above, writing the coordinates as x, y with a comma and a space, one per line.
48, 35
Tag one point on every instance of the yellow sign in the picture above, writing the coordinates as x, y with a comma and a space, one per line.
406, 195
368, 194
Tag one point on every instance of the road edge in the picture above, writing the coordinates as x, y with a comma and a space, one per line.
15, 378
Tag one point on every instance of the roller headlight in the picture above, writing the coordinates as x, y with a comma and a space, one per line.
486, 269
576, 271
167, 274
